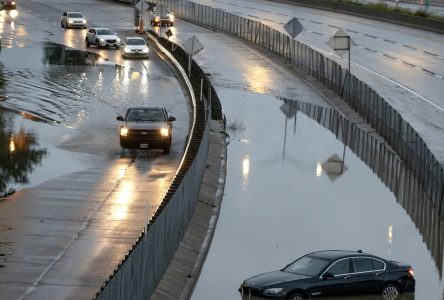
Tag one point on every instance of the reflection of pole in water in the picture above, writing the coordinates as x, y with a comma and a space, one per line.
285, 138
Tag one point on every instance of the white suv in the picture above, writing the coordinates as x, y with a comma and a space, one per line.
102, 37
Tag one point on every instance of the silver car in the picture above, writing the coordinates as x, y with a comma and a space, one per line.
73, 19
134, 46
102, 37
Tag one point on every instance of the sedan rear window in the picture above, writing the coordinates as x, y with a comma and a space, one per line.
307, 265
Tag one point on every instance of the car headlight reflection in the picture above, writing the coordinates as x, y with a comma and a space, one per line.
156, 19
124, 131
164, 132
272, 292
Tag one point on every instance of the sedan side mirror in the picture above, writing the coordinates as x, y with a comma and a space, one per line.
120, 118
171, 119
328, 275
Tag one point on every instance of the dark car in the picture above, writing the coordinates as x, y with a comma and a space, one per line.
146, 127
333, 273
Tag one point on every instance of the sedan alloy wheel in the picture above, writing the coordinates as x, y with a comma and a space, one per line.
390, 292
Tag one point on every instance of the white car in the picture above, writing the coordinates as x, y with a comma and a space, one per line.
134, 46
102, 37
73, 19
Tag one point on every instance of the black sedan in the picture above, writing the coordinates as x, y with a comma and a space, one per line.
333, 273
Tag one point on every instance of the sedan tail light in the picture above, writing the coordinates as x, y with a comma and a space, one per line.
410, 272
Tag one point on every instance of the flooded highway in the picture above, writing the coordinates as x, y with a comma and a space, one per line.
63, 102
286, 195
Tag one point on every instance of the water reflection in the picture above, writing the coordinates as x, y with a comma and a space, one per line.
56, 54
390, 169
19, 155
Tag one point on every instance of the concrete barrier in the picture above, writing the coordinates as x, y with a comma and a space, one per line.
367, 12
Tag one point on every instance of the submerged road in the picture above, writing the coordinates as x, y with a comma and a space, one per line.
80, 201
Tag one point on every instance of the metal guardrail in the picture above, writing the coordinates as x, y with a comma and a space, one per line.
375, 109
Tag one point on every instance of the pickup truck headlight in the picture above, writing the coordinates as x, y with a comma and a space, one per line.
164, 132
123, 131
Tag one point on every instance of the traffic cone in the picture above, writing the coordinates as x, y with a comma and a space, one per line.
141, 26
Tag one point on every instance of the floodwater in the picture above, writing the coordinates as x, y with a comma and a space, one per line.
58, 109
284, 199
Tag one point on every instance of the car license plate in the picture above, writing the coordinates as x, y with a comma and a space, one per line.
143, 146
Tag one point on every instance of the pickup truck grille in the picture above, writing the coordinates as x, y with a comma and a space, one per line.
145, 134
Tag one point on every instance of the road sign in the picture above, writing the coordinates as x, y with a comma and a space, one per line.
169, 33
340, 42
192, 45
293, 27
139, 6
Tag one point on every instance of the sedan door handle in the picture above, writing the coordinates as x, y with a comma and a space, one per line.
347, 277
377, 274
